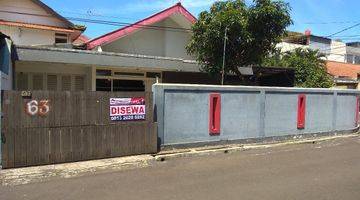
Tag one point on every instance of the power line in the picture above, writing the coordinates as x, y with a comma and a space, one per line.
114, 23
332, 22
91, 14
105, 22
345, 29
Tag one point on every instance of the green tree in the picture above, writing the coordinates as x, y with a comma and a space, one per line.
309, 66
252, 32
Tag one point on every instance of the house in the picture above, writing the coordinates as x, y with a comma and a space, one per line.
81, 40
131, 58
342, 59
333, 50
31, 22
346, 75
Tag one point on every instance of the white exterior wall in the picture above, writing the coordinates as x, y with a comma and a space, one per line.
56, 68
154, 42
27, 6
145, 42
337, 52
285, 47
26, 36
176, 41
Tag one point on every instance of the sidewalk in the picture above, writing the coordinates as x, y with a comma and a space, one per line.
27, 175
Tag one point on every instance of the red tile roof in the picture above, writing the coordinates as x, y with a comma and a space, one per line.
112, 36
339, 69
81, 39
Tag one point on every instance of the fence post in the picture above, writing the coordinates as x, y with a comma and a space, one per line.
262, 112
334, 111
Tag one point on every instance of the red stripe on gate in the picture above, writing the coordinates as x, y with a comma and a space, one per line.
214, 114
357, 111
301, 111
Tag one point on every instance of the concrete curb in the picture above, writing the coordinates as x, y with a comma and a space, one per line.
220, 149
20, 176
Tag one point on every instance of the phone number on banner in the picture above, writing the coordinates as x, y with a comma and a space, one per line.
127, 117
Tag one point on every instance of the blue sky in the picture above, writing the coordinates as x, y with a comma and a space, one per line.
322, 17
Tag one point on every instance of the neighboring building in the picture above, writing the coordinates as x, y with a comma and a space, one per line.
343, 59
332, 49
31, 22
345, 75
81, 40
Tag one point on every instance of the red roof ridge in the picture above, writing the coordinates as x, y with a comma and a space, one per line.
114, 35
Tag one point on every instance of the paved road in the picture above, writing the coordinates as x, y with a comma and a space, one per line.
327, 170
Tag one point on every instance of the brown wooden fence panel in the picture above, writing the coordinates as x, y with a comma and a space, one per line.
77, 127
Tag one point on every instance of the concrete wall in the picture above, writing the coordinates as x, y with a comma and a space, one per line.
26, 36
35, 15
337, 52
249, 112
55, 69
285, 46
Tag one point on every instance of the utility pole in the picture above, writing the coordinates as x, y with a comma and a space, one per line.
224, 56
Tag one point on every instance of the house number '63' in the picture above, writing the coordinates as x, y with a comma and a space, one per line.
35, 107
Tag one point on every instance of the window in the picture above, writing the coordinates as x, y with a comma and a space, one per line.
153, 75
61, 38
52, 82
349, 58
79, 83
128, 85
128, 74
22, 81
103, 85
66, 83
37, 82
100, 72
357, 60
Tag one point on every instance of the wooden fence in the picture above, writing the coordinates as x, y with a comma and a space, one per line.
76, 127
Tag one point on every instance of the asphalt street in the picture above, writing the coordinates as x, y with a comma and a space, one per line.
326, 170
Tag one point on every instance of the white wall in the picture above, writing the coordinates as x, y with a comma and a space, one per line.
26, 36
155, 42
56, 68
145, 42
337, 52
27, 6
176, 41
284, 46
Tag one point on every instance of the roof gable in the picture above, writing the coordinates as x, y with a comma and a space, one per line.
112, 36
53, 12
